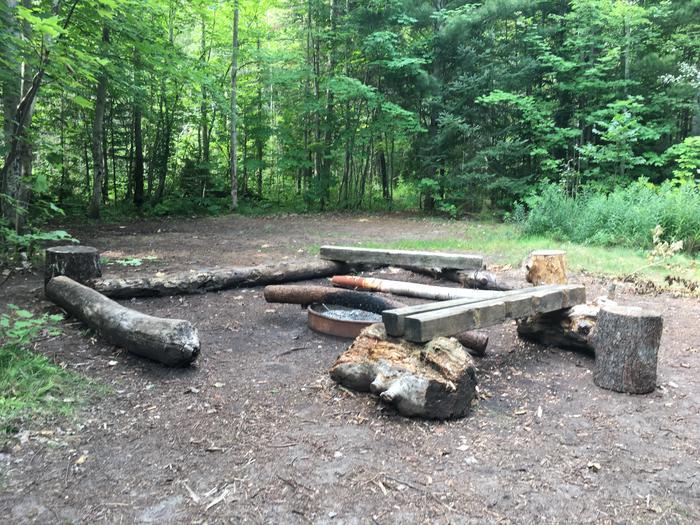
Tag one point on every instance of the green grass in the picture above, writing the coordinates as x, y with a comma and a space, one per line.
31, 385
505, 244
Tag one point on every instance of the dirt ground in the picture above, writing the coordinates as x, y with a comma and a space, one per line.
254, 434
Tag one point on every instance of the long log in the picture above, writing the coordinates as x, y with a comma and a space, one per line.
173, 342
402, 257
209, 280
479, 279
423, 291
307, 294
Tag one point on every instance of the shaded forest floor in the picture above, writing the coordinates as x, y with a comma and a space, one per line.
256, 433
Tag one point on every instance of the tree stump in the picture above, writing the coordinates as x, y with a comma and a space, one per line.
546, 267
626, 341
436, 380
80, 263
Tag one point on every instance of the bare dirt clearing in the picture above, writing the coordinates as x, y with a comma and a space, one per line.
257, 433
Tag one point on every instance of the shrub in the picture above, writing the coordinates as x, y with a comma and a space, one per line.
624, 217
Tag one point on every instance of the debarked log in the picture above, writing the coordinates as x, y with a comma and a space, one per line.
210, 280
173, 342
309, 294
436, 380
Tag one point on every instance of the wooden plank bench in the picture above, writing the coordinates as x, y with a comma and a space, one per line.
383, 257
424, 322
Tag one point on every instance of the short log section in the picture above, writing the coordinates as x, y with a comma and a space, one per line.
436, 380
402, 258
80, 263
546, 267
626, 341
172, 342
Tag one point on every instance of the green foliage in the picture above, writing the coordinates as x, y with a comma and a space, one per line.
624, 217
30, 384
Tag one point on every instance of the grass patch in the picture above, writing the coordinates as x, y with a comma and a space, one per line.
31, 385
505, 244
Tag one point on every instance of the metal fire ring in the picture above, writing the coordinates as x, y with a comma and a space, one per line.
324, 324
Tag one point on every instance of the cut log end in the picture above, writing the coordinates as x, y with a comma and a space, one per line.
436, 380
626, 341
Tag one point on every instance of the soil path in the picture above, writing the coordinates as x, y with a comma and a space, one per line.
251, 435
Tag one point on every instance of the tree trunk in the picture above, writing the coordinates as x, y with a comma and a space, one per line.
173, 342
234, 110
98, 160
138, 136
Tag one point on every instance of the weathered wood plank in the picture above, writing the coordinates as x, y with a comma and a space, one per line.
423, 327
394, 319
353, 255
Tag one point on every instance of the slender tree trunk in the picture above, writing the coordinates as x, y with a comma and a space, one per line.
234, 109
204, 117
98, 160
137, 135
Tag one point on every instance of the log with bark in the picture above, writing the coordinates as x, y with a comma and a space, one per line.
80, 263
173, 342
475, 341
436, 380
210, 280
626, 341
309, 294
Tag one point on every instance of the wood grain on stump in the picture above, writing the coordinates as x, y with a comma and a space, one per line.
435, 380
546, 267
626, 341
80, 263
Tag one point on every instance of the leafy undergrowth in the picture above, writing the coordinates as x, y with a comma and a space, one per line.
505, 244
31, 385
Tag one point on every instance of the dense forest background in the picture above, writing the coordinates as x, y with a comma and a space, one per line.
167, 106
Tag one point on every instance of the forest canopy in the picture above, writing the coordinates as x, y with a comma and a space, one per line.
166, 106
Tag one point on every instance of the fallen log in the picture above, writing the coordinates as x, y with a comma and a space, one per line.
475, 341
209, 280
479, 279
423, 291
626, 341
306, 295
80, 263
570, 328
382, 257
173, 342
436, 380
